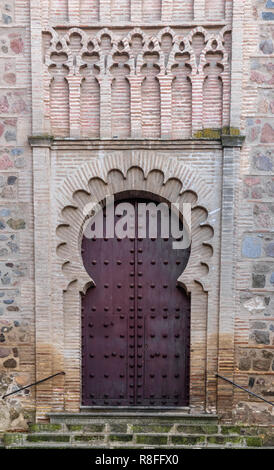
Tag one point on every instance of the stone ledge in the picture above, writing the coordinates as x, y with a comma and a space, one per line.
232, 140
40, 140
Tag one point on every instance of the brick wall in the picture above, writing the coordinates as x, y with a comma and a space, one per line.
137, 70
16, 219
254, 321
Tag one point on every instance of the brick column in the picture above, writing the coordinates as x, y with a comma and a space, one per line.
231, 157
136, 106
37, 68
74, 82
167, 10
74, 9
226, 96
166, 118
199, 10
105, 11
45, 11
42, 268
197, 81
105, 107
237, 64
136, 11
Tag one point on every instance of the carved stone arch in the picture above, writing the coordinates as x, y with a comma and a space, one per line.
162, 178
165, 178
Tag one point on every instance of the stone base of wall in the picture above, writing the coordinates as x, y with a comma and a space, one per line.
127, 432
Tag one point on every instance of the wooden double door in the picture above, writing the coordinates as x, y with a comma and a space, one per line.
135, 323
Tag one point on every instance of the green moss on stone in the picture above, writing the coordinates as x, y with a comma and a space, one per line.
120, 428
231, 429
74, 427
221, 440
211, 133
253, 441
234, 131
120, 438
268, 441
216, 440
94, 427
201, 429
153, 440
48, 438
188, 440
45, 427
208, 134
160, 428
13, 438
87, 437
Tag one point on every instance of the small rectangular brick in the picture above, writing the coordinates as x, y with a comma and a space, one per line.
121, 438
120, 428
184, 440
87, 438
207, 429
153, 440
151, 428
41, 427
48, 438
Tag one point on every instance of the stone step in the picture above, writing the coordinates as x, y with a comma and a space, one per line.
160, 417
160, 428
136, 440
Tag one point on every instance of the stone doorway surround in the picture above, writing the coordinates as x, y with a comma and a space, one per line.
67, 173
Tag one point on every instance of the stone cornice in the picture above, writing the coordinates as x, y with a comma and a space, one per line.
40, 140
232, 140
70, 143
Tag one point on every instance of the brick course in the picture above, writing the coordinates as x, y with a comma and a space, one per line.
140, 89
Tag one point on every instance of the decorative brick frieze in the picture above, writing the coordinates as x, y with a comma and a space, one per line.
166, 85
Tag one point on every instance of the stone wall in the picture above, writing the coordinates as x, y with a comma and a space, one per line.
16, 219
254, 343
125, 72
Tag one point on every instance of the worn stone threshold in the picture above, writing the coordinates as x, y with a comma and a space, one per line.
136, 412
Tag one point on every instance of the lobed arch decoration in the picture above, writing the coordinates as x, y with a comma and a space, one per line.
162, 177
129, 67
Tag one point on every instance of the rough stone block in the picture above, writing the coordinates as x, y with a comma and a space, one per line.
88, 438
48, 438
120, 437
151, 440
152, 428
188, 440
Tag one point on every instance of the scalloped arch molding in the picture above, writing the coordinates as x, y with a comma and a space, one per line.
112, 174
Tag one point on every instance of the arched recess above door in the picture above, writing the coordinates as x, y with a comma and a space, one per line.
163, 177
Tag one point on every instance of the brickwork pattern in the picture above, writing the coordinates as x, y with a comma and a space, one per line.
109, 79
254, 319
168, 84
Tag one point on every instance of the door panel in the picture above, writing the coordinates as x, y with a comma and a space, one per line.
135, 323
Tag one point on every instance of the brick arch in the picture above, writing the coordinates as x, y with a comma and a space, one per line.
166, 178
161, 177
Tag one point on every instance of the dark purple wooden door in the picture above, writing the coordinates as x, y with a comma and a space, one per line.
135, 323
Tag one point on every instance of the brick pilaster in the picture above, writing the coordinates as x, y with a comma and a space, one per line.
166, 97
167, 10
74, 104
74, 9
42, 217
199, 10
197, 81
136, 11
105, 107
136, 106
37, 68
105, 11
